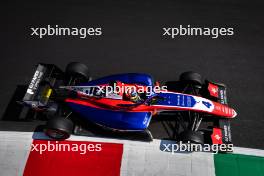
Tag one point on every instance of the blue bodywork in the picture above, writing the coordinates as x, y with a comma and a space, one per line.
120, 120
176, 99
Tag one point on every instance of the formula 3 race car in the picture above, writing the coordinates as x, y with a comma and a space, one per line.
127, 102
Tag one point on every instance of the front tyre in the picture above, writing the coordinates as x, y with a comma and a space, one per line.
192, 136
191, 77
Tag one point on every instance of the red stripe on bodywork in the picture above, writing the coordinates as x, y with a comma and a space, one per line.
66, 163
219, 109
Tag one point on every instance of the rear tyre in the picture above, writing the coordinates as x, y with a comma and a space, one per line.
59, 128
77, 70
192, 136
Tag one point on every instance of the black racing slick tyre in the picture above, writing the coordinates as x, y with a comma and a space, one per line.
76, 69
59, 128
192, 136
191, 77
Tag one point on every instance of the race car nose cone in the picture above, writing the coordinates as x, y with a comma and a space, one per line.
234, 113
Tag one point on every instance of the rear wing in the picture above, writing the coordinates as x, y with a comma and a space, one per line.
33, 86
44, 76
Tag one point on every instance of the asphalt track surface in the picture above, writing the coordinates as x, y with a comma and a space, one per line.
132, 41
